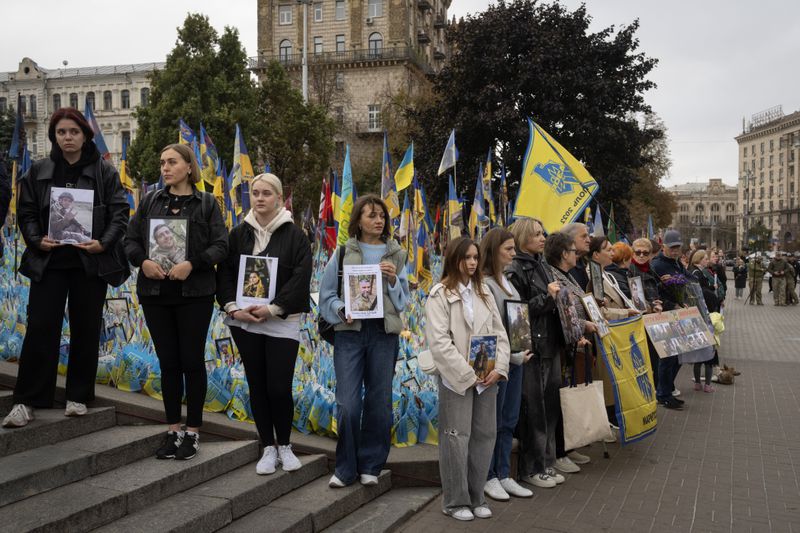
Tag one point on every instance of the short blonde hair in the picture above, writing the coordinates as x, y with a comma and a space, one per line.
644, 243
523, 229
696, 257
272, 180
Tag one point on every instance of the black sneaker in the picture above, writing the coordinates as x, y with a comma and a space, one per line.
170, 445
678, 401
671, 404
189, 446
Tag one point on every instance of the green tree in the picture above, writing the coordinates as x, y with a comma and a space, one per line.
522, 59
205, 80
7, 120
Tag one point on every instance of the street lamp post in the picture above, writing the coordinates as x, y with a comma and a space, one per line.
305, 48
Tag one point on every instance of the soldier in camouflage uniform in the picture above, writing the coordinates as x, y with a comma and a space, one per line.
779, 268
755, 277
791, 278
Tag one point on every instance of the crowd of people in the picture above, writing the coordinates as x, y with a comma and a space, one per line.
517, 394
783, 270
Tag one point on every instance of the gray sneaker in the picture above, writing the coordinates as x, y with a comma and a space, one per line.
19, 416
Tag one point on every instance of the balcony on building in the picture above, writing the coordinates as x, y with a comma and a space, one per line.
423, 37
439, 22
377, 56
424, 4
438, 54
367, 128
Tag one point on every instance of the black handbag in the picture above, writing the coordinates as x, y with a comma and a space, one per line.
325, 328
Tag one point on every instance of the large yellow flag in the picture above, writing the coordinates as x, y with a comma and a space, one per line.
555, 186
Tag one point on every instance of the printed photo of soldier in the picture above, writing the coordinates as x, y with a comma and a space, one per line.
167, 241
71, 215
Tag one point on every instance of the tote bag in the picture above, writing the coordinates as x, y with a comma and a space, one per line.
584, 413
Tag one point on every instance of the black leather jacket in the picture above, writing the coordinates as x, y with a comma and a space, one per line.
207, 241
293, 284
109, 216
529, 276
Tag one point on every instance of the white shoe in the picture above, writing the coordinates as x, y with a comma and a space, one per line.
543, 481
19, 416
715, 378
75, 409
368, 480
289, 461
515, 489
336, 483
462, 513
564, 464
495, 491
482, 511
676, 393
558, 478
268, 462
579, 458
613, 438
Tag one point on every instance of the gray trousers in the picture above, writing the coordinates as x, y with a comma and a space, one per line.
467, 430
539, 413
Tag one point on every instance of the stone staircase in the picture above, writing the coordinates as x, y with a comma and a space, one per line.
92, 474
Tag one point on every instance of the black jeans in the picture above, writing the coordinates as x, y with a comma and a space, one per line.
179, 334
540, 412
38, 364
269, 366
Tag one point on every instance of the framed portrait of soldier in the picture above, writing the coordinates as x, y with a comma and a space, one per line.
225, 351
482, 354
518, 322
256, 282
70, 215
571, 323
167, 241
637, 293
363, 291
596, 276
593, 310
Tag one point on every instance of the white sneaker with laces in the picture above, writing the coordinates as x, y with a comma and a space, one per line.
495, 491
579, 458
75, 409
558, 478
676, 393
289, 461
19, 416
368, 480
462, 513
336, 483
482, 511
543, 481
268, 462
564, 464
515, 489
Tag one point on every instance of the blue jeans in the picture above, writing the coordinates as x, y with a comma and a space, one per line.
667, 370
363, 358
509, 398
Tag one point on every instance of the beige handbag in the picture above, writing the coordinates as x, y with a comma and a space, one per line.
584, 413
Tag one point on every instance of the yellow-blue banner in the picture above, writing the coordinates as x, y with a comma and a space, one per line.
627, 359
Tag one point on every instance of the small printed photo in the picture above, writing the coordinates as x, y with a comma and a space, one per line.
117, 310
596, 274
71, 215
571, 322
519, 326
167, 238
225, 351
637, 293
363, 290
257, 280
482, 354
593, 310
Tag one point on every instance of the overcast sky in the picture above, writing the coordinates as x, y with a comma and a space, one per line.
719, 60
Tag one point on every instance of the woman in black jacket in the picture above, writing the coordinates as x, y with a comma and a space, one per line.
268, 336
178, 302
62, 273
739, 277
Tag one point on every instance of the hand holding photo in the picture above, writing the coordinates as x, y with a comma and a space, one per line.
71, 215
167, 237
482, 354
571, 323
593, 310
363, 291
257, 280
519, 326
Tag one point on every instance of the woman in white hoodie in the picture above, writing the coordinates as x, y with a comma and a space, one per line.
268, 336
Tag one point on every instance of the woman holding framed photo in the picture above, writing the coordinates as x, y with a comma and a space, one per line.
178, 301
365, 350
459, 308
268, 335
497, 250
75, 276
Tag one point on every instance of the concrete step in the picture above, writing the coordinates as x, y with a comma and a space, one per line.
101, 499
50, 425
6, 401
216, 503
387, 512
310, 508
27, 473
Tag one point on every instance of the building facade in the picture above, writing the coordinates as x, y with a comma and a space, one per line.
769, 151
114, 92
706, 212
359, 53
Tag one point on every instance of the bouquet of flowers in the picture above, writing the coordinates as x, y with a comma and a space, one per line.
676, 286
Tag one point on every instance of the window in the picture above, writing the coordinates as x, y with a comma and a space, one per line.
374, 117
3, 105
317, 45
745, 152
698, 208
340, 10
339, 110
56, 101
23, 105
340, 81
126, 139
340, 43
90, 100
285, 51
771, 144
375, 8
284, 15
375, 44
32, 106
73, 100
106, 100
714, 207
144, 96
125, 96
762, 147
771, 159
318, 12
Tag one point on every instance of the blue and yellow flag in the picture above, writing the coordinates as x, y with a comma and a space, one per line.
455, 216
242, 169
450, 155
405, 172
388, 190
210, 159
185, 133
477, 216
346, 201
99, 141
126, 181
487, 186
627, 360
555, 187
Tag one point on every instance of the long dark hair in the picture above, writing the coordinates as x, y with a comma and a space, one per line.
454, 255
489, 258
354, 230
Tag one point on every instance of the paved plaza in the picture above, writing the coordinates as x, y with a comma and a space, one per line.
730, 461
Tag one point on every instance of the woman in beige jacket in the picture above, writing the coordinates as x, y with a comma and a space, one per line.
459, 307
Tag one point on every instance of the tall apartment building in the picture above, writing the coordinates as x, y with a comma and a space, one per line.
359, 53
707, 212
114, 91
769, 180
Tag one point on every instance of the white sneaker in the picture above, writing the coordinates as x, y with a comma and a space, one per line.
564, 464
676, 393
515, 489
558, 478
462, 513
715, 378
75, 409
543, 481
336, 483
368, 480
579, 458
19, 416
268, 462
495, 491
289, 461
482, 511
613, 438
